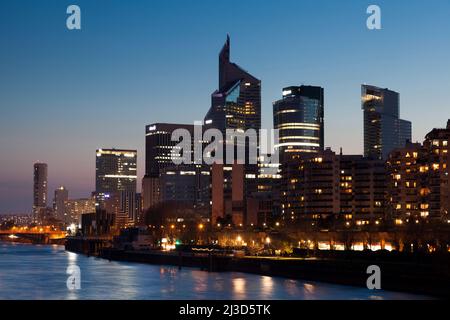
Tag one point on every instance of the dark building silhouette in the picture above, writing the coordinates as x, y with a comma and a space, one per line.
40, 190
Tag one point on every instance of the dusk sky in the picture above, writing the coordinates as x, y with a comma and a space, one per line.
65, 93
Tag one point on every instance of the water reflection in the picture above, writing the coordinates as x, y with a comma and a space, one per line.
266, 287
39, 272
239, 289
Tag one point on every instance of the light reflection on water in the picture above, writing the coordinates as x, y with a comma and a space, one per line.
39, 272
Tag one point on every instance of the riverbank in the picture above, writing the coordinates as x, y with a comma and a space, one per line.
33, 239
419, 277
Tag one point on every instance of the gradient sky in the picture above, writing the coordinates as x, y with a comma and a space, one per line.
65, 93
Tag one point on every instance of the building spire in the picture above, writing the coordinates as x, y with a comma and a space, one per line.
224, 61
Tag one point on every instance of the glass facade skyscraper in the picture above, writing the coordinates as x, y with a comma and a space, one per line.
384, 131
299, 117
237, 102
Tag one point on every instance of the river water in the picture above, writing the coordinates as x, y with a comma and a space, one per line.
39, 272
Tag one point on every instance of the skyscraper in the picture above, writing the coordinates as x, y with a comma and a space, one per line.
116, 174
158, 156
61, 195
384, 131
299, 117
236, 104
159, 144
39, 192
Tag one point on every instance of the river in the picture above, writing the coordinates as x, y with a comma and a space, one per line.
39, 272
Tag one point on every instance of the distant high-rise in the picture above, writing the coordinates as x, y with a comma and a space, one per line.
299, 117
61, 195
384, 131
39, 191
75, 208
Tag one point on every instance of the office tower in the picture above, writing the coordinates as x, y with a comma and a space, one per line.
116, 174
158, 155
236, 104
116, 170
186, 184
40, 192
299, 117
61, 195
325, 188
74, 208
383, 129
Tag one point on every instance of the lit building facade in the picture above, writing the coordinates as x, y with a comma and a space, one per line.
437, 147
116, 175
325, 188
299, 117
74, 208
116, 170
419, 180
408, 192
384, 131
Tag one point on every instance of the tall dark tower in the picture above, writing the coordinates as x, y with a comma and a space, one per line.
236, 104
